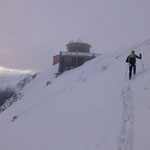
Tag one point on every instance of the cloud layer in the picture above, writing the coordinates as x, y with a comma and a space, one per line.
32, 31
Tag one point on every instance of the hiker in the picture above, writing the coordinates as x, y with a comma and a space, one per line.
131, 59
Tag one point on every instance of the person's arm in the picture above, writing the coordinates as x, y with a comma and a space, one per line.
127, 60
139, 57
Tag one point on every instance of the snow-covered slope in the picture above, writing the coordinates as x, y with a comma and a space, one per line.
11, 83
93, 107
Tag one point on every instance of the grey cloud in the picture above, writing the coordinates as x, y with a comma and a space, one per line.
32, 31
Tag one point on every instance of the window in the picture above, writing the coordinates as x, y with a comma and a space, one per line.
65, 68
68, 59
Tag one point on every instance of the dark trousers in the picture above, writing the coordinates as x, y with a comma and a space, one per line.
132, 67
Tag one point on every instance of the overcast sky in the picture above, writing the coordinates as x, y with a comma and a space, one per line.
32, 31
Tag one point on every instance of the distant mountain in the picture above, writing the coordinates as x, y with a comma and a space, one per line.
10, 77
11, 84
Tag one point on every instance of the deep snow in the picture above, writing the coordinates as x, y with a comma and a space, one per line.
93, 107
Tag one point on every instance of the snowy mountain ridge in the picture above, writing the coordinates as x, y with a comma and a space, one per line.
91, 107
10, 77
11, 83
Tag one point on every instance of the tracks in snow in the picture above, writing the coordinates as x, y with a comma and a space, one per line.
127, 124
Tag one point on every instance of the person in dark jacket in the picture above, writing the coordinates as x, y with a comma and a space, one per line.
131, 59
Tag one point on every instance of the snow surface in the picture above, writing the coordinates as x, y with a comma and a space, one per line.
93, 107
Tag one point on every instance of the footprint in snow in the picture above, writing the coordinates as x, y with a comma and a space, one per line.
14, 118
103, 68
145, 88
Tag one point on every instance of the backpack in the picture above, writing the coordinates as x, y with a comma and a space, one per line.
132, 59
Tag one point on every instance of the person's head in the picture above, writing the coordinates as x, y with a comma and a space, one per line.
133, 52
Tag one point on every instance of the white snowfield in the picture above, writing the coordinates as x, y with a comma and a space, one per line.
93, 107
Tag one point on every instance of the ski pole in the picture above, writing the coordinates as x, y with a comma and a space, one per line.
126, 71
142, 65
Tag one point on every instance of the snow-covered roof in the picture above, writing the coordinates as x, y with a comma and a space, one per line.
79, 54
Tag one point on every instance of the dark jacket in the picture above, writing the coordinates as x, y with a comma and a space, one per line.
131, 59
